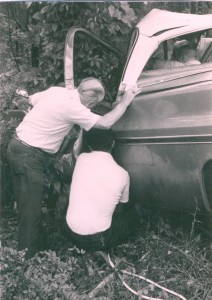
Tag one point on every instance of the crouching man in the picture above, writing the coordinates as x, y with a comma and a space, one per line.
98, 217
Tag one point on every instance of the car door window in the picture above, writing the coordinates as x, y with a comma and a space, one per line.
88, 55
93, 59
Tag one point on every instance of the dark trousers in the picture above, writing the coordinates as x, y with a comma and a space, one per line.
123, 226
27, 169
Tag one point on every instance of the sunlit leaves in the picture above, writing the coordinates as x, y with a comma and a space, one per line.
122, 11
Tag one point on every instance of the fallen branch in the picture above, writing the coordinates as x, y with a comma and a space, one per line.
145, 279
134, 292
105, 281
126, 285
154, 283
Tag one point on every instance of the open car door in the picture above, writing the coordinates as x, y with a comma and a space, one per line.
87, 55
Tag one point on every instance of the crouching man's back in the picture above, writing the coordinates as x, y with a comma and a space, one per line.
98, 186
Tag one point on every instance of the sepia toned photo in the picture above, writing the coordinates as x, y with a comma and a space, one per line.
106, 150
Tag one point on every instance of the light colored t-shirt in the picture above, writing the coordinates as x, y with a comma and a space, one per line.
54, 113
98, 185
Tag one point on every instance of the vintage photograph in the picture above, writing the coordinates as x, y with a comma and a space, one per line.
106, 150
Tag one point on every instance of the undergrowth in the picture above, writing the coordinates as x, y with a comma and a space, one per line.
166, 254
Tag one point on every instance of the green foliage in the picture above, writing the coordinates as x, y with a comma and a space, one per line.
43, 277
35, 31
91, 59
9, 101
51, 23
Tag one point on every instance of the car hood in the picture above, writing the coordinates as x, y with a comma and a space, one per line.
158, 20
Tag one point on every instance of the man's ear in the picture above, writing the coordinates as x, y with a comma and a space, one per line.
101, 96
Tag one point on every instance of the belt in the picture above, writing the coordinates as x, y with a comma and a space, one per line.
35, 149
77, 235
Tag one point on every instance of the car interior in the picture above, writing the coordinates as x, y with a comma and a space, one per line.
186, 50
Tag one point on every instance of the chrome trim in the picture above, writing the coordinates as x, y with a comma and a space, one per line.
167, 140
169, 143
168, 136
141, 86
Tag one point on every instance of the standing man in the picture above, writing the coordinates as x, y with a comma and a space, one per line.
38, 138
98, 217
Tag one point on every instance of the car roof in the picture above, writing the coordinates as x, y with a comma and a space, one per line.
158, 20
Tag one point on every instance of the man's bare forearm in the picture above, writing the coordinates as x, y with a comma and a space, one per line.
107, 121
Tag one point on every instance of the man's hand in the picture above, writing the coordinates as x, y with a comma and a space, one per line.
22, 93
109, 119
128, 96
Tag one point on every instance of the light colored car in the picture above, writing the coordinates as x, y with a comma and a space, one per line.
164, 140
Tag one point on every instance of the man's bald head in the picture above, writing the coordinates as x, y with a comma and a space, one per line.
91, 91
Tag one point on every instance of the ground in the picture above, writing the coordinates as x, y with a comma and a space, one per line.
165, 251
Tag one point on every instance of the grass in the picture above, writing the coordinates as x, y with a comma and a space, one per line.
168, 252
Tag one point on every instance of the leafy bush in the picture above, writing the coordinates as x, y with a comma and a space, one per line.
44, 277
49, 25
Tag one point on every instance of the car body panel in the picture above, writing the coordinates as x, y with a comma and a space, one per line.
165, 175
159, 21
164, 140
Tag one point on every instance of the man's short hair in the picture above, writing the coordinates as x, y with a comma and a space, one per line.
185, 53
99, 139
92, 87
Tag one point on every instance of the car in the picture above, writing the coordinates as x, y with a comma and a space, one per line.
164, 140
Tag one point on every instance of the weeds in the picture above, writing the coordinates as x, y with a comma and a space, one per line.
166, 254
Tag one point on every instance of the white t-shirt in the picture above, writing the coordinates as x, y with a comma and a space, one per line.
54, 113
98, 185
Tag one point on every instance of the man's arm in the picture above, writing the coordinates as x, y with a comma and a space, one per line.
123, 201
107, 121
120, 208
